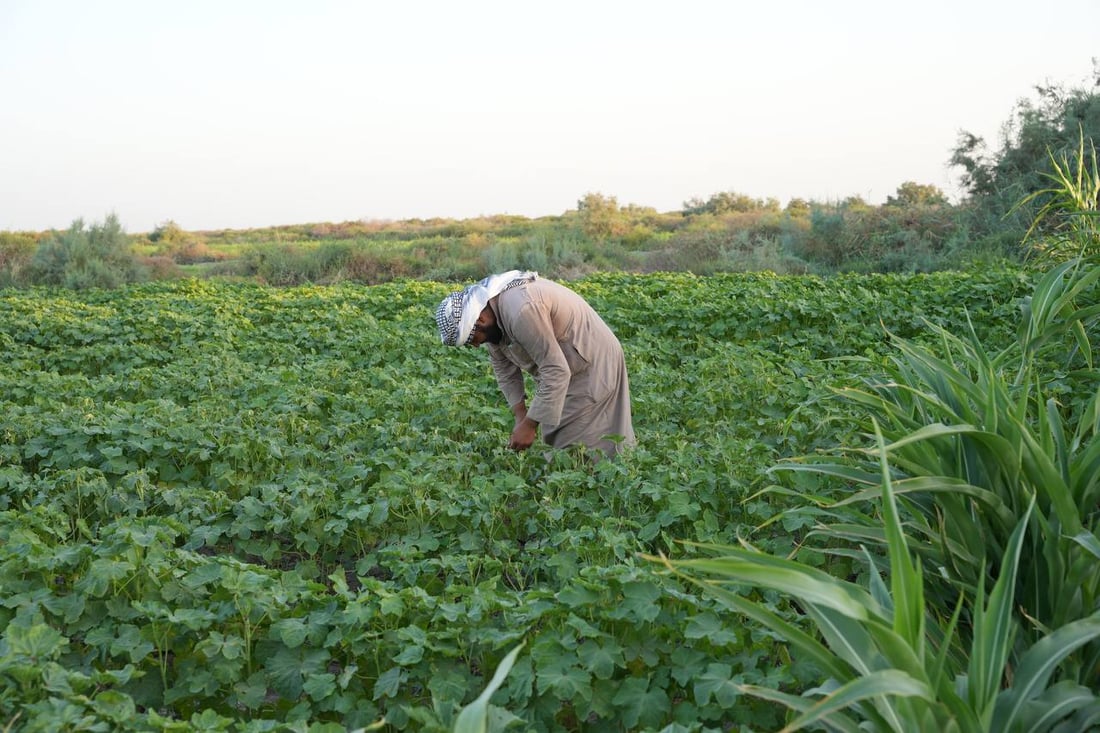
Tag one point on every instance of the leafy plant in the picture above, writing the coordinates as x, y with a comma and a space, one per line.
987, 468
893, 664
475, 717
86, 257
1073, 198
974, 439
247, 508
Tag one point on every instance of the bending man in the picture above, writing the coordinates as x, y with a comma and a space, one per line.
533, 325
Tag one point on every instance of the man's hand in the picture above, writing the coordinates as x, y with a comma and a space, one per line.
523, 435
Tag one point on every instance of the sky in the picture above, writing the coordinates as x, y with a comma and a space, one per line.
252, 113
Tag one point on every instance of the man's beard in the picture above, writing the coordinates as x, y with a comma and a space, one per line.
493, 334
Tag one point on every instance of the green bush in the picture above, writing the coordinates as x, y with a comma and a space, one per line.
16, 250
97, 256
1041, 131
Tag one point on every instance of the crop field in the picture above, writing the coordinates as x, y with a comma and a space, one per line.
229, 507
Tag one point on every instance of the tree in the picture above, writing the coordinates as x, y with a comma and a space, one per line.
600, 216
727, 202
1041, 130
798, 207
911, 194
168, 232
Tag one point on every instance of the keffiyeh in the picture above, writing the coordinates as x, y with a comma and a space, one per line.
458, 312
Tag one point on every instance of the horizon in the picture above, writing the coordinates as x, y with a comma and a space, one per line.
265, 114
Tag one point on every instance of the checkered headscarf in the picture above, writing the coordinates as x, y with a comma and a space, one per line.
457, 313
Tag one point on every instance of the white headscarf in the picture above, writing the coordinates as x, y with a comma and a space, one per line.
458, 312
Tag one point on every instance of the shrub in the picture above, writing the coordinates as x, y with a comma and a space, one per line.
168, 232
160, 267
16, 251
97, 256
1072, 206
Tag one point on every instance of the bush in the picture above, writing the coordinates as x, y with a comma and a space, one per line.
16, 251
97, 256
160, 267
554, 253
295, 265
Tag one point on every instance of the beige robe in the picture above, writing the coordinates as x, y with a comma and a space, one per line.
582, 394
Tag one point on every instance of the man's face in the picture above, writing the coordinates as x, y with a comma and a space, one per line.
486, 328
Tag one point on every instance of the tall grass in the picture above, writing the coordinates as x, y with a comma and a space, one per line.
890, 664
1070, 204
982, 472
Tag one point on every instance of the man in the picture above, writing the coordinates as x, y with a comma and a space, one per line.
533, 325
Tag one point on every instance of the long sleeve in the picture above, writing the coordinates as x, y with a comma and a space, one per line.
532, 329
509, 377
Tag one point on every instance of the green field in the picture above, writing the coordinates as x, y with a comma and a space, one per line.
235, 507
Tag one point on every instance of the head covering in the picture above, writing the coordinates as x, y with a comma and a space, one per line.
458, 312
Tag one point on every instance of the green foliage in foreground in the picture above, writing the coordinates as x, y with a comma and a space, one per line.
986, 462
230, 507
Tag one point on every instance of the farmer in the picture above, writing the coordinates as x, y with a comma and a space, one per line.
533, 325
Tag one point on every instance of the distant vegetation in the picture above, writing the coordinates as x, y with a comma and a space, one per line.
916, 230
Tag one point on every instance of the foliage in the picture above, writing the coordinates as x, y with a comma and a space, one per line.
912, 193
600, 217
474, 718
227, 506
168, 232
85, 257
1072, 201
16, 251
1042, 129
727, 202
976, 436
913, 232
988, 467
891, 663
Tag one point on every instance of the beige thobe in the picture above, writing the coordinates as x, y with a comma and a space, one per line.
583, 393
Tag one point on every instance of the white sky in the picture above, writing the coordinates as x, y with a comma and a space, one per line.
250, 113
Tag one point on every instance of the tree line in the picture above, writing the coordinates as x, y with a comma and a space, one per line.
1005, 185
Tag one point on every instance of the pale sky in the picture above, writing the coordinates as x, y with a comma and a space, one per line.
251, 113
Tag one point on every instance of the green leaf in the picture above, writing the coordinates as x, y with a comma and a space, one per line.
576, 594
389, 683
995, 628
410, 655
115, 706
600, 658
886, 684
564, 679
291, 631
796, 637
319, 686
835, 719
1037, 665
641, 705
251, 692
708, 626
36, 641
639, 602
786, 576
906, 584
716, 680
1057, 703
1088, 541
474, 718
129, 641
